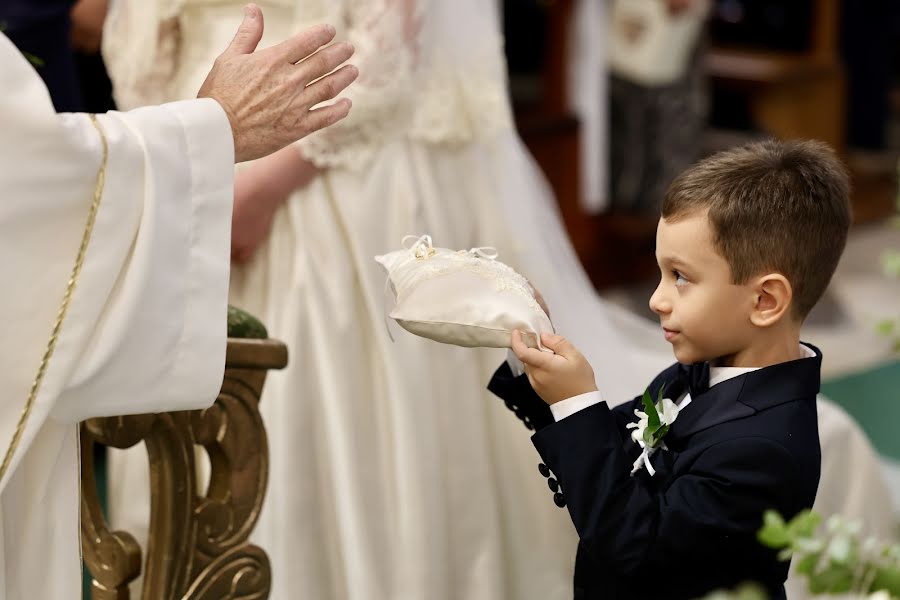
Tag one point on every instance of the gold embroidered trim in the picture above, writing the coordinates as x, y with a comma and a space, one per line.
64, 306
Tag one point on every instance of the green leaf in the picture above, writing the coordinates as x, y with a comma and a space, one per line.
35, 60
833, 579
886, 327
888, 579
807, 564
890, 262
652, 415
804, 523
662, 431
774, 532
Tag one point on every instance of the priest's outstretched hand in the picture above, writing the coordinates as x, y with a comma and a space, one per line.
558, 375
271, 96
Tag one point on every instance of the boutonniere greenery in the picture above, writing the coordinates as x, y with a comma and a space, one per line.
651, 427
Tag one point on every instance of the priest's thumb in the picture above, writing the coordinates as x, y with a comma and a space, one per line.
248, 34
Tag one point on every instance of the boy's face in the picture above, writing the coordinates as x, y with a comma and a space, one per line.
703, 314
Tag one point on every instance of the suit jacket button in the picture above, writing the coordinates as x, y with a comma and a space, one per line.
554, 484
544, 469
559, 499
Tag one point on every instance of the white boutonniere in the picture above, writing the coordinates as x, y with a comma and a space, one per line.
652, 425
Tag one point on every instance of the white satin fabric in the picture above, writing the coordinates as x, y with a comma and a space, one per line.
145, 327
394, 474
466, 298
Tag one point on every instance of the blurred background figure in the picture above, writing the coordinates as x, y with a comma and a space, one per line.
63, 39
657, 99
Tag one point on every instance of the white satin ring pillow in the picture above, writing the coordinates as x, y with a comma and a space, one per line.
466, 297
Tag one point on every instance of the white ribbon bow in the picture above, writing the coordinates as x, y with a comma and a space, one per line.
488, 252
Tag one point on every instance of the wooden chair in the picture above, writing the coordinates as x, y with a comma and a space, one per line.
198, 545
791, 95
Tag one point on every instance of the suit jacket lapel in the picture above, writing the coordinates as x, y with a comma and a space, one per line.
718, 405
747, 394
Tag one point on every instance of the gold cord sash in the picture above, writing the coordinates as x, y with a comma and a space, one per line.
64, 306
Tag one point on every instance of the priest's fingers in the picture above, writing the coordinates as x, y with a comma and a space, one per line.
530, 356
330, 86
323, 62
248, 34
296, 48
320, 118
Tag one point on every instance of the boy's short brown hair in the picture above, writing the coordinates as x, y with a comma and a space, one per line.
773, 206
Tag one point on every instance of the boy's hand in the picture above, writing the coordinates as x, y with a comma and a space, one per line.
558, 376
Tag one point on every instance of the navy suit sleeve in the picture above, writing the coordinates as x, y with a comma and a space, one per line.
520, 398
626, 522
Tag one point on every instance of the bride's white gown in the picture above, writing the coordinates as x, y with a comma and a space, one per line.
394, 474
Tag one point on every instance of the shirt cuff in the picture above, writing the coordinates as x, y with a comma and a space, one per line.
570, 406
515, 365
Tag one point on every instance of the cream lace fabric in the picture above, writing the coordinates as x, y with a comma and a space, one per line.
429, 70
139, 57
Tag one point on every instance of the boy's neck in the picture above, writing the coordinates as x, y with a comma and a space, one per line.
769, 348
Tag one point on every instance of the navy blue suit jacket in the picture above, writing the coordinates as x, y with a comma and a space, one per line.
746, 445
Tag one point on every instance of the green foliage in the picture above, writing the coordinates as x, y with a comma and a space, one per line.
890, 264
746, 591
242, 324
835, 562
655, 430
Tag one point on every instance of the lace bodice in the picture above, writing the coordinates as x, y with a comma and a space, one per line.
430, 70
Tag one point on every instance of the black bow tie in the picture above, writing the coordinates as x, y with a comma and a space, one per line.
695, 377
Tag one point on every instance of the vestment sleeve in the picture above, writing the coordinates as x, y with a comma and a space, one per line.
145, 330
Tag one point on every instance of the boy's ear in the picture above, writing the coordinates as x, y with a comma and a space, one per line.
773, 295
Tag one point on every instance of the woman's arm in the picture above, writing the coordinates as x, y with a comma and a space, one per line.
259, 191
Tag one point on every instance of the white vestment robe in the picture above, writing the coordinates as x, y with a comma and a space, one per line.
146, 327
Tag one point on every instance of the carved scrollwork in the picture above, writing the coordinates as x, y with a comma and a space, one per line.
242, 573
230, 431
198, 543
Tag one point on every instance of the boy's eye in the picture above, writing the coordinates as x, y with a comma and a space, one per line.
679, 278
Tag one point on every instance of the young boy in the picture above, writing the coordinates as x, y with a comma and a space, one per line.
746, 245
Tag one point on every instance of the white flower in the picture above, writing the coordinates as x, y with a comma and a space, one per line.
668, 412
638, 434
